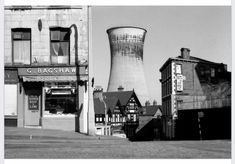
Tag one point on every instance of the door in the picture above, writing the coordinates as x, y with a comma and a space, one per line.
32, 109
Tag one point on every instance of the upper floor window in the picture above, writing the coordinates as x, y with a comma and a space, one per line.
21, 45
59, 45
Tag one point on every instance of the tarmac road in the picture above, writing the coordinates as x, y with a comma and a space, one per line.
26, 143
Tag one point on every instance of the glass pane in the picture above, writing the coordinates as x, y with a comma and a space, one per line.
26, 35
55, 35
64, 48
17, 35
57, 104
60, 52
21, 50
55, 49
64, 35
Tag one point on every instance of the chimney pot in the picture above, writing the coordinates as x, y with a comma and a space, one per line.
185, 53
120, 88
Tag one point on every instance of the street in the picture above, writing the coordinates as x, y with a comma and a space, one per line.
29, 143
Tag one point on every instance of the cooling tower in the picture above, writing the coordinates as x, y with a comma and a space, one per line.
126, 44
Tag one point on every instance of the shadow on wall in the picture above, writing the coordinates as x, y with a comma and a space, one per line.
152, 130
77, 123
204, 124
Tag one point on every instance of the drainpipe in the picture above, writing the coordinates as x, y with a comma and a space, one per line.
91, 113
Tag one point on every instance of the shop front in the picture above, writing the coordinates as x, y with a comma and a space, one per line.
50, 97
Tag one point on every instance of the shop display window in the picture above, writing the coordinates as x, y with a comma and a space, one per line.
60, 99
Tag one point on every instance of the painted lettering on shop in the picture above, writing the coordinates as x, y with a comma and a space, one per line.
56, 70
47, 71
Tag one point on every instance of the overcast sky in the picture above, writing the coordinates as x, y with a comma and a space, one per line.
205, 30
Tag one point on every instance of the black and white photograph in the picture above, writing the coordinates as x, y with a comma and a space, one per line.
117, 82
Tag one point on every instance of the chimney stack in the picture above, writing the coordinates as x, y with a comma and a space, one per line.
120, 88
185, 53
154, 102
147, 103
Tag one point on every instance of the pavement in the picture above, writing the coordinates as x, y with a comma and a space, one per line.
27, 143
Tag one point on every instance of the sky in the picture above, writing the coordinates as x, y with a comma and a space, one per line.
205, 30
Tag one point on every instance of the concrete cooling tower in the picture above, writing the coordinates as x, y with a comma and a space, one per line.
127, 72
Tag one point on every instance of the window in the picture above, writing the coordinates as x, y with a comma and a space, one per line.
96, 119
134, 119
21, 45
59, 45
212, 72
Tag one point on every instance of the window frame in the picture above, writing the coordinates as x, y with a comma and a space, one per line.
14, 30
54, 41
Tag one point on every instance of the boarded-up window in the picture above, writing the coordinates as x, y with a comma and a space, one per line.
21, 38
59, 45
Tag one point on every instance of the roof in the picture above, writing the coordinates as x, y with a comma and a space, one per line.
111, 102
151, 110
198, 59
123, 96
191, 59
98, 106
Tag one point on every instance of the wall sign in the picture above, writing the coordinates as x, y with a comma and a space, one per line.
47, 71
180, 82
33, 102
179, 85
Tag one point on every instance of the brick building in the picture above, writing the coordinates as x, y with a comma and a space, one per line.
196, 98
46, 60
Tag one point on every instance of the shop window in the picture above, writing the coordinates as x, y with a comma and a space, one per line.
60, 102
59, 45
21, 45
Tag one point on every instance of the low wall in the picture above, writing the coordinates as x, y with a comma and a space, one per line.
59, 123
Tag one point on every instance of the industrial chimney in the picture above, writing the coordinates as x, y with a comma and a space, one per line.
126, 44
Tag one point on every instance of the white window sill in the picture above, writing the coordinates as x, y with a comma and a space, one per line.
59, 115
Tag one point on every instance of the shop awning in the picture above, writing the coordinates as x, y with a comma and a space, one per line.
49, 78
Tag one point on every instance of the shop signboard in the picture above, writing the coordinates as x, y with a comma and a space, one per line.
33, 101
47, 71
180, 82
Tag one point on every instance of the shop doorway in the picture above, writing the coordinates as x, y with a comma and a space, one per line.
32, 104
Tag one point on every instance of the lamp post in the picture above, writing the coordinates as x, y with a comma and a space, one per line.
105, 113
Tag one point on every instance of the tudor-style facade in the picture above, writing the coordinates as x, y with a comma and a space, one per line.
121, 109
